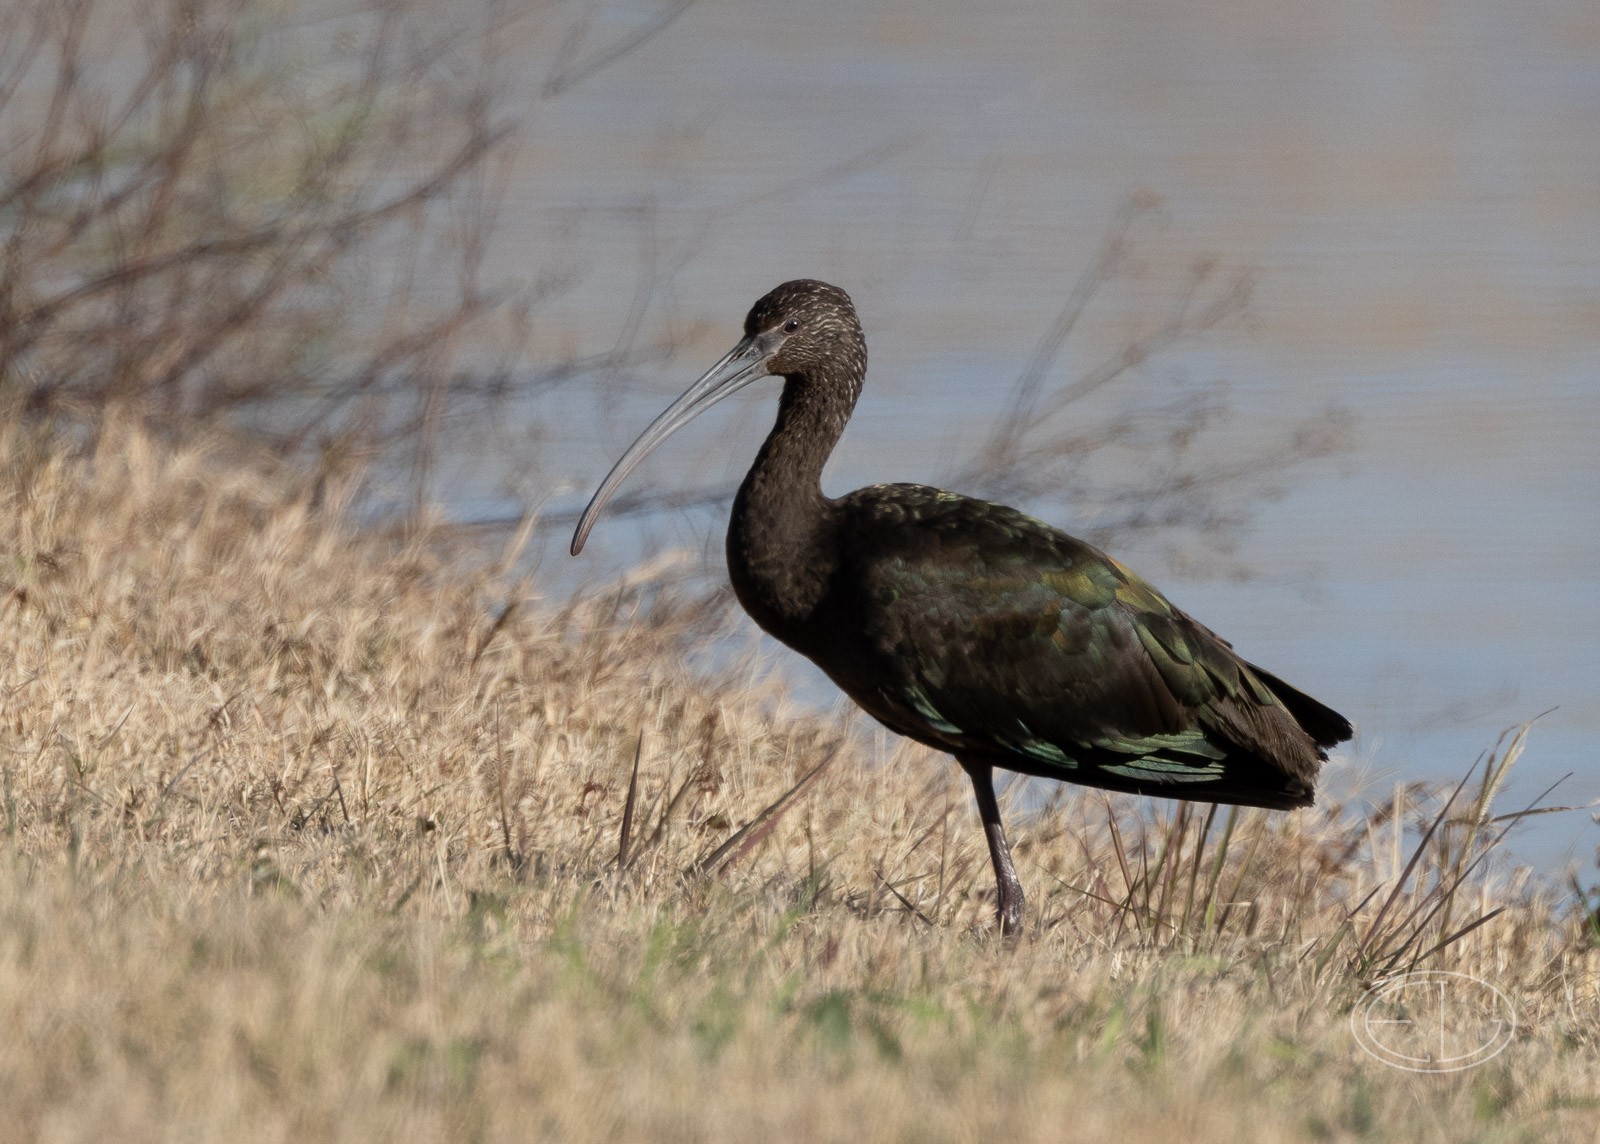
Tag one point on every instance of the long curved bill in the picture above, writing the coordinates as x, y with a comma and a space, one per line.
746, 363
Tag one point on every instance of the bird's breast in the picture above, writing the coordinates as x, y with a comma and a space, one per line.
781, 585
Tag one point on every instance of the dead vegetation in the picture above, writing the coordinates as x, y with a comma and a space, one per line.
313, 837
265, 215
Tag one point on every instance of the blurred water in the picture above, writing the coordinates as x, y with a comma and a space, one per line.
1415, 185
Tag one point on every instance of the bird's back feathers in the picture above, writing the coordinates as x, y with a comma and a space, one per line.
980, 630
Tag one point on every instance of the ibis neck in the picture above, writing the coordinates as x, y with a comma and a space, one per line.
780, 551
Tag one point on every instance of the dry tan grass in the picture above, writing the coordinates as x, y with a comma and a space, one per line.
308, 839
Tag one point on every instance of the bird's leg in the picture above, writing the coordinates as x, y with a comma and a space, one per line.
1008, 886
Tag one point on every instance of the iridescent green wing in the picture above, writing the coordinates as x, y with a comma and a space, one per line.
1010, 640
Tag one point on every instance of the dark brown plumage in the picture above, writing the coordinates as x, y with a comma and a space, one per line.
970, 626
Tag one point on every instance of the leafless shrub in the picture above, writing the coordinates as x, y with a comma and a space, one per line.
195, 223
1044, 449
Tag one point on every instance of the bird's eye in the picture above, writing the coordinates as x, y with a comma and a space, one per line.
791, 325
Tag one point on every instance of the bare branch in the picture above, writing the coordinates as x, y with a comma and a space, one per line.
572, 69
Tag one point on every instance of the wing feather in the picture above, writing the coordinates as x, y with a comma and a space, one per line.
1006, 638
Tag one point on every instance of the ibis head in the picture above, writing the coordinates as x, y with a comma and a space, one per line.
805, 331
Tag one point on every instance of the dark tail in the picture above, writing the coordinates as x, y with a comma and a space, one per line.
1325, 725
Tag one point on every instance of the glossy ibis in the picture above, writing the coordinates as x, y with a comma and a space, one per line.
970, 626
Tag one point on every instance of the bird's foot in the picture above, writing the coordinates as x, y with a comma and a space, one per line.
1011, 909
